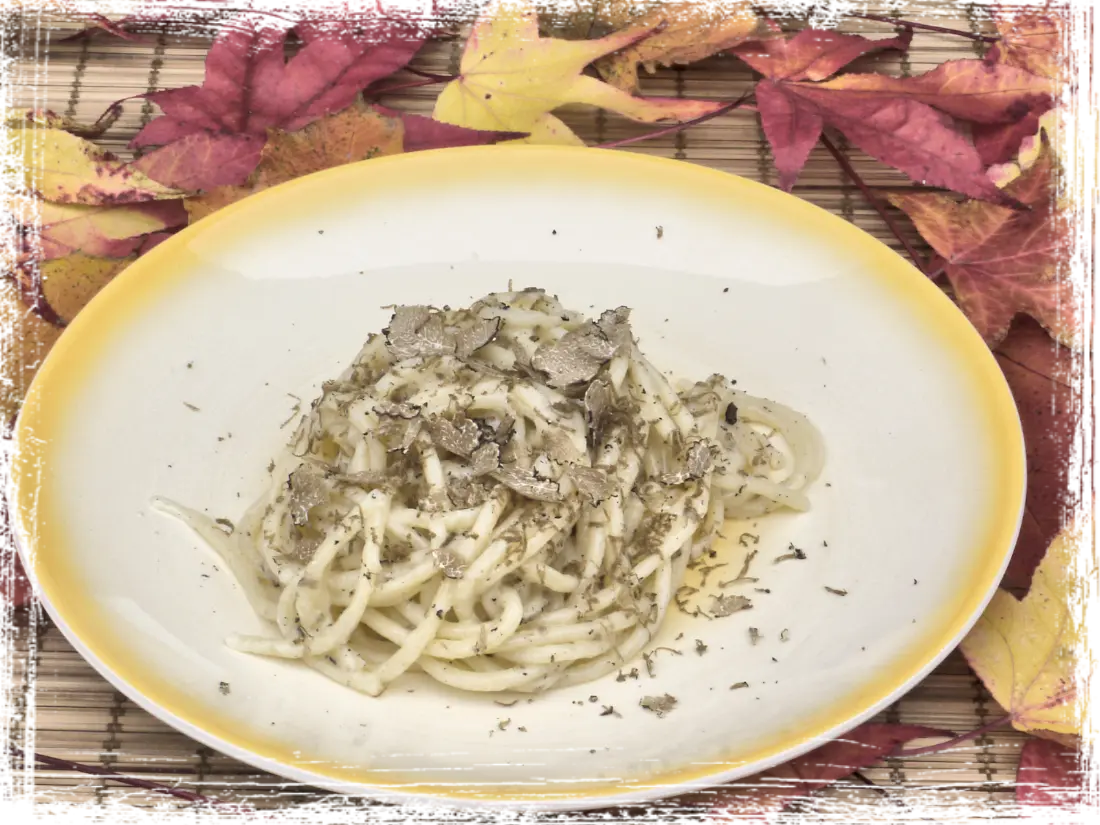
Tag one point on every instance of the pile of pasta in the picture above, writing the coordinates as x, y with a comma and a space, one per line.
505, 497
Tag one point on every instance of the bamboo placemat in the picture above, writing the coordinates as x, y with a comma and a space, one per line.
64, 709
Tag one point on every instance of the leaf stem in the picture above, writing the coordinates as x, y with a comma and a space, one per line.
899, 802
95, 770
957, 740
438, 78
816, 810
894, 21
873, 199
105, 121
412, 84
676, 127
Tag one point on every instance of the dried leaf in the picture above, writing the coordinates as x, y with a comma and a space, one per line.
250, 88
967, 89
109, 232
25, 343
203, 161
17, 261
898, 130
512, 79
1025, 651
1001, 261
691, 32
69, 283
812, 54
66, 9
1039, 371
1031, 39
35, 119
63, 168
772, 791
156, 11
1050, 774
15, 587
1074, 132
357, 133
1000, 142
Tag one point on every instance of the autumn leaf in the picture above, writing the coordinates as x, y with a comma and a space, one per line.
1074, 132
898, 130
18, 262
1000, 142
967, 89
35, 119
686, 32
157, 11
359, 132
212, 135
1025, 651
1049, 774
202, 161
812, 54
110, 232
1033, 40
71, 282
773, 790
66, 9
62, 168
511, 79
1001, 261
1039, 372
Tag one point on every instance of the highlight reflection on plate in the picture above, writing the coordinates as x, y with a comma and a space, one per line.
914, 516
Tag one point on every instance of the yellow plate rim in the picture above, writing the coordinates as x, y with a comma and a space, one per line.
154, 271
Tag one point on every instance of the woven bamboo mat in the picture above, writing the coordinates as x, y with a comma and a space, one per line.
75, 715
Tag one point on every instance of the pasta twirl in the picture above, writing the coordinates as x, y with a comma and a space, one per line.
504, 497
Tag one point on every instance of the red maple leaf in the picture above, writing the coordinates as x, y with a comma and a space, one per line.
212, 135
895, 120
773, 790
1002, 262
1049, 774
1041, 373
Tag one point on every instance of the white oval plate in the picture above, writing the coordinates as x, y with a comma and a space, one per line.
914, 516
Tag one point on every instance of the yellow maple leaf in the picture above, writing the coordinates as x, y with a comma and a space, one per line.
511, 79
63, 168
356, 133
56, 230
691, 31
30, 119
1073, 129
1025, 651
69, 284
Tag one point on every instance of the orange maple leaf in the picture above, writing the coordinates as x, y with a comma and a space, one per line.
1003, 261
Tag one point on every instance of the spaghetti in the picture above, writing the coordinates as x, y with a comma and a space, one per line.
505, 497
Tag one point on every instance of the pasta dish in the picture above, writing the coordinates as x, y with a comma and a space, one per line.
504, 497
